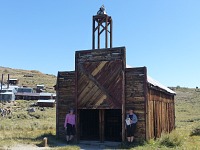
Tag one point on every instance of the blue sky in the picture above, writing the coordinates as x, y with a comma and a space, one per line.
162, 35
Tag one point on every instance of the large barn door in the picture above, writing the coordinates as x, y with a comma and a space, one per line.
100, 80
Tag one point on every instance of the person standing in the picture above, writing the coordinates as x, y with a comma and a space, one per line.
131, 121
69, 125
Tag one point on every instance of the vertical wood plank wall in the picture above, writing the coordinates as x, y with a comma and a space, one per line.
135, 97
161, 113
65, 90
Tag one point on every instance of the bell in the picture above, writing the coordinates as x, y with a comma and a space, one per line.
102, 10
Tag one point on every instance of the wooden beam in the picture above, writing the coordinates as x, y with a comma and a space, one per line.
111, 24
99, 37
93, 34
106, 32
99, 23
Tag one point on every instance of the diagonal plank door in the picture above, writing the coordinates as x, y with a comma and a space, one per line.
100, 82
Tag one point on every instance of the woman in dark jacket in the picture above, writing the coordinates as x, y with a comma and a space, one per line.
131, 121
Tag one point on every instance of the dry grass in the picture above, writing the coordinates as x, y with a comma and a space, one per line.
29, 128
24, 127
38, 78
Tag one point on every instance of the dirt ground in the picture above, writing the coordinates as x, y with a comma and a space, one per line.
83, 145
24, 147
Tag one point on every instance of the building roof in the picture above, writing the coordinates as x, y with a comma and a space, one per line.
40, 85
27, 94
46, 101
46, 94
156, 83
11, 87
6, 93
13, 79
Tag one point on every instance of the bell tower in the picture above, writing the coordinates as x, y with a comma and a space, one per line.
102, 23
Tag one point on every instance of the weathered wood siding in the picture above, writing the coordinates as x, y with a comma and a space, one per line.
102, 82
65, 90
161, 113
100, 78
136, 89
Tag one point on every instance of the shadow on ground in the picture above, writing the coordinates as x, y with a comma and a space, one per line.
54, 142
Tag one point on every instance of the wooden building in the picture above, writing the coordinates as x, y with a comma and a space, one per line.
102, 90
40, 88
46, 103
13, 81
152, 102
27, 96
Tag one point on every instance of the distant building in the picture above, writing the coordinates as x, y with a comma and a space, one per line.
13, 81
25, 90
8, 93
26, 93
7, 96
46, 103
40, 88
46, 96
27, 96
28, 75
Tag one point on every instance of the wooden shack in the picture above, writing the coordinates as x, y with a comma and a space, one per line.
102, 90
153, 103
13, 81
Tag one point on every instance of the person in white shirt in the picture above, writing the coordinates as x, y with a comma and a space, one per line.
131, 121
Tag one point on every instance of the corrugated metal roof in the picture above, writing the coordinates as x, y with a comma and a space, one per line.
128, 66
5, 93
46, 101
11, 88
13, 79
155, 83
40, 85
46, 94
27, 94
158, 84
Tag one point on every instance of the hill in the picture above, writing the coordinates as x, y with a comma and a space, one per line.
187, 104
30, 78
